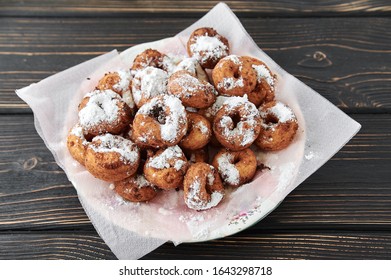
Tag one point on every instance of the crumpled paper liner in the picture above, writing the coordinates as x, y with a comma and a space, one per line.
132, 230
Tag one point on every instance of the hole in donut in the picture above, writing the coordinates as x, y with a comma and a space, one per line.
159, 114
236, 160
271, 119
235, 119
236, 75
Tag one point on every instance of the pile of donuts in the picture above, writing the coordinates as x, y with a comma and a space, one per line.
153, 127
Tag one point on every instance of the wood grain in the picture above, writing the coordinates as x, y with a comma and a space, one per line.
248, 8
345, 59
246, 245
351, 191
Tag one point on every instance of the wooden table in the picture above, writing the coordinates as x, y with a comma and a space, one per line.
339, 48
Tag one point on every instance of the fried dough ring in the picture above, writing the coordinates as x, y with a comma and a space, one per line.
103, 111
202, 186
119, 82
135, 188
191, 91
264, 89
161, 122
166, 168
77, 143
279, 126
112, 158
198, 134
207, 46
149, 57
234, 76
235, 168
147, 84
191, 65
237, 124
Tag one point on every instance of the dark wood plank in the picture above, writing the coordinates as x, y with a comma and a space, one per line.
248, 8
352, 191
345, 59
53, 245
246, 245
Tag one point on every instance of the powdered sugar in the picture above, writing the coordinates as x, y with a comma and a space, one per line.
244, 128
211, 111
227, 169
141, 182
114, 143
194, 201
189, 64
231, 83
281, 111
123, 87
202, 127
170, 157
206, 47
123, 84
77, 130
264, 74
175, 121
148, 83
101, 107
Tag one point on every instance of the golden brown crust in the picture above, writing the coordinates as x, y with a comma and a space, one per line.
191, 91
166, 168
77, 144
234, 76
236, 127
206, 58
198, 134
276, 134
108, 81
107, 164
135, 188
263, 92
200, 155
149, 57
156, 119
202, 186
122, 119
244, 162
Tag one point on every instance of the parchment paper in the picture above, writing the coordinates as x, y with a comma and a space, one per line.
132, 230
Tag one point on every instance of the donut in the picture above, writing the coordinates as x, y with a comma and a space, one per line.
264, 89
77, 143
161, 122
237, 124
234, 76
191, 91
202, 186
166, 168
190, 64
198, 134
238, 75
235, 168
200, 155
149, 57
103, 111
112, 158
207, 46
135, 188
119, 82
278, 128
148, 83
